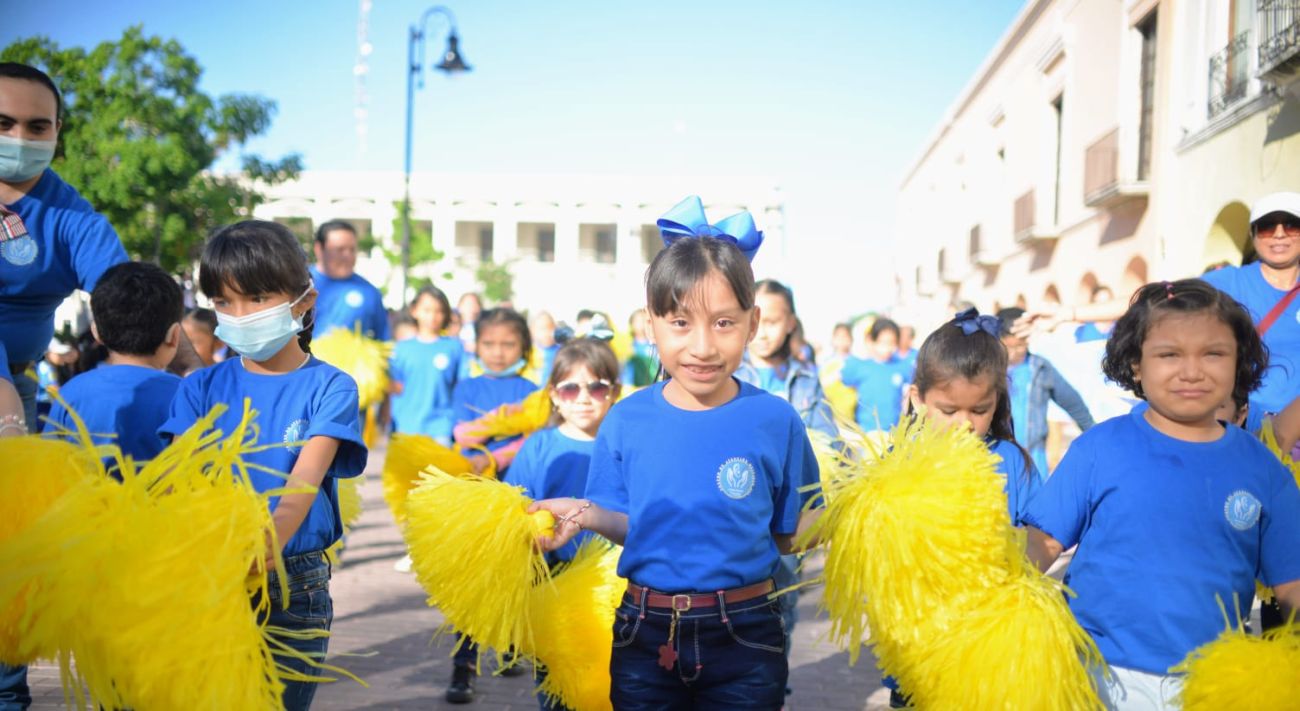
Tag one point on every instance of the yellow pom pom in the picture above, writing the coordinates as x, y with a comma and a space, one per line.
923, 523
544, 523
524, 417
349, 512
573, 620
1241, 671
408, 455
471, 543
365, 359
982, 647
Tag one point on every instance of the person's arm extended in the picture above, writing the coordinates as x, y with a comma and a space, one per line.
1042, 549
574, 515
309, 471
1068, 398
1042, 320
786, 543
12, 423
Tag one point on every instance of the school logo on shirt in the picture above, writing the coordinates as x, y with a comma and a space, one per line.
897, 380
294, 433
441, 361
354, 299
19, 252
736, 477
1242, 510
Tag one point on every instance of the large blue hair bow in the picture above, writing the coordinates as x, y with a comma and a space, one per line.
970, 321
687, 219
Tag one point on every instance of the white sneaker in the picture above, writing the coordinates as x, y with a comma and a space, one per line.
403, 564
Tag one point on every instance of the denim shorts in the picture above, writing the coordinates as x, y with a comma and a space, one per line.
727, 657
310, 608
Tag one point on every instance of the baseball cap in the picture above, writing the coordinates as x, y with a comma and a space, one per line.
1275, 202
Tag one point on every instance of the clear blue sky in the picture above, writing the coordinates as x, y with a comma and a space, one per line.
832, 99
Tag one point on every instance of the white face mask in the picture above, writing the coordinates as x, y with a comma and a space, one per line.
21, 159
260, 335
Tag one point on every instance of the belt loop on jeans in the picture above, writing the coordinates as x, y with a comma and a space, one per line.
645, 593
722, 605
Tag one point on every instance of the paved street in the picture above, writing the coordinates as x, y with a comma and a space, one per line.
381, 613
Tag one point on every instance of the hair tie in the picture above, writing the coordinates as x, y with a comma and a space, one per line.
970, 321
1169, 291
687, 219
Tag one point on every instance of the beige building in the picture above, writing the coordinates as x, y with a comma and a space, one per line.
1102, 142
569, 241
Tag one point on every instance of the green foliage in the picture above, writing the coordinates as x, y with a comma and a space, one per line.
423, 252
497, 281
139, 136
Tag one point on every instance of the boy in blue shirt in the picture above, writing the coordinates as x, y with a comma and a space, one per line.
138, 310
880, 379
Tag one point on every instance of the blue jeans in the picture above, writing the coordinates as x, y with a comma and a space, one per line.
728, 657
14, 692
310, 608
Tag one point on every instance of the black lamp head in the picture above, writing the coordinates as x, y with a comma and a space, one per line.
452, 62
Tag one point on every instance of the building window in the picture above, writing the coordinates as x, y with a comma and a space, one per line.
546, 245
536, 241
1148, 30
485, 244
651, 242
474, 241
301, 228
596, 243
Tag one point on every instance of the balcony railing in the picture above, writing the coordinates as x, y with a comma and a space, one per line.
1103, 183
1229, 74
1279, 39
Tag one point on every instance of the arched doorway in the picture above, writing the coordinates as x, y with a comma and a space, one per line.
1083, 295
1229, 238
1052, 295
1135, 275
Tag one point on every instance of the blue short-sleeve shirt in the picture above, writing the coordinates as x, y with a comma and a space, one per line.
129, 401
552, 465
1164, 527
1282, 379
428, 371
475, 397
1022, 477
317, 399
706, 491
344, 303
880, 389
68, 247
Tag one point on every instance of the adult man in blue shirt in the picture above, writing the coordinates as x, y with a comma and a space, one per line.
345, 299
52, 242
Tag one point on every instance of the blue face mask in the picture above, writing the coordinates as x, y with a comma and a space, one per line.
260, 335
21, 159
506, 372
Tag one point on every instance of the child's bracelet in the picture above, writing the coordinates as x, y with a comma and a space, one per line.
19, 425
574, 516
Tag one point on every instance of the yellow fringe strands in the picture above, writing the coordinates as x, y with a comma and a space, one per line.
471, 544
922, 557
572, 619
365, 359
408, 455
524, 417
1269, 438
1242, 671
349, 512
150, 593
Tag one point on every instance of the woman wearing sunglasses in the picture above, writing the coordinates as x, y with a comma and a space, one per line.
553, 462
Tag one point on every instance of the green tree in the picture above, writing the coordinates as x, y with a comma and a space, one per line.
139, 140
497, 281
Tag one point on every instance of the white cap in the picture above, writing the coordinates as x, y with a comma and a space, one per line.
1275, 202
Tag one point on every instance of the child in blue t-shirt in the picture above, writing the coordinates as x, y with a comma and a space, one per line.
1172, 511
553, 462
256, 276
961, 381
699, 477
424, 370
138, 310
503, 345
880, 379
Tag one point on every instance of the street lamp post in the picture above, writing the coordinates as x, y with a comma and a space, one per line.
452, 63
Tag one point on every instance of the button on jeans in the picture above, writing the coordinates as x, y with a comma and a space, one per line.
727, 657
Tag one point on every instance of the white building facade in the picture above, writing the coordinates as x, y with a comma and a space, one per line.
570, 242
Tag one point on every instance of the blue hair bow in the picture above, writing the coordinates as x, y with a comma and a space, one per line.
970, 321
687, 219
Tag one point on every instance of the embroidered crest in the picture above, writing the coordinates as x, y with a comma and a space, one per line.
1242, 510
19, 252
441, 361
294, 433
736, 477
354, 299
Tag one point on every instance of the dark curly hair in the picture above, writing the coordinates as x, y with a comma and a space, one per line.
1154, 301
